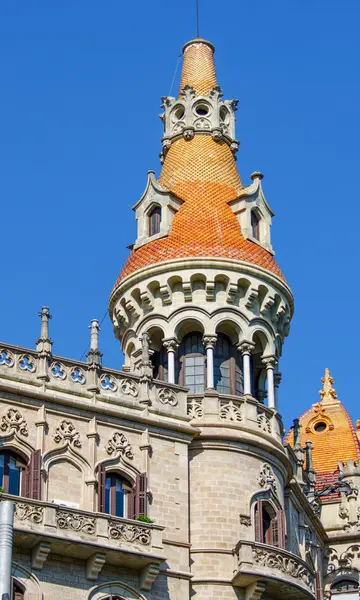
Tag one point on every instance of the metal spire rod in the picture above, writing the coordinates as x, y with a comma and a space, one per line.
197, 19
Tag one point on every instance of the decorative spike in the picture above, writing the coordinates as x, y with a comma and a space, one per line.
328, 393
296, 427
94, 355
44, 343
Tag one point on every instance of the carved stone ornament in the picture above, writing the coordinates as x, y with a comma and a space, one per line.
167, 396
28, 512
57, 370
27, 363
245, 520
195, 408
6, 358
285, 564
14, 421
267, 477
230, 411
129, 533
67, 432
264, 423
75, 522
345, 560
129, 388
119, 444
108, 383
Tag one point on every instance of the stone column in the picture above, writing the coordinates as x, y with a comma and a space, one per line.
269, 362
44, 344
209, 342
171, 346
93, 358
246, 349
277, 381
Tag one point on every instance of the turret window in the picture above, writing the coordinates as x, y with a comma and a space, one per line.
255, 225
193, 363
154, 221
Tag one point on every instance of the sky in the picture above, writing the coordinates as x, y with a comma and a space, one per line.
81, 86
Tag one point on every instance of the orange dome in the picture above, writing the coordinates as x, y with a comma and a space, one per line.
202, 172
328, 426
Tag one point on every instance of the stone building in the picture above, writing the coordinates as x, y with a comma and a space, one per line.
169, 479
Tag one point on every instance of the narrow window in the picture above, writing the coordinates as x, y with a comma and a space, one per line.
269, 525
192, 355
10, 472
154, 221
222, 365
116, 495
255, 225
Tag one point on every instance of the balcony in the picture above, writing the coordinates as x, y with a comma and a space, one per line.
96, 538
287, 576
243, 413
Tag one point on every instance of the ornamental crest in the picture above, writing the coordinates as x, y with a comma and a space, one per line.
267, 477
119, 444
14, 421
67, 432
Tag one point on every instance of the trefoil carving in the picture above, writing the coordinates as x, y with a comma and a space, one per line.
67, 432
119, 444
14, 421
129, 388
167, 396
6, 358
27, 363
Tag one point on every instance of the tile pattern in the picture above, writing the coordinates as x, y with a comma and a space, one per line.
198, 69
203, 173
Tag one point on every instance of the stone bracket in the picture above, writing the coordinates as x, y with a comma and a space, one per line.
255, 590
39, 555
148, 576
94, 565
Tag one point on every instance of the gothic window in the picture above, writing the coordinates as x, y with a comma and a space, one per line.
227, 371
269, 525
116, 495
120, 498
160, 364
255, 225
154, 220
10, 472
192, 358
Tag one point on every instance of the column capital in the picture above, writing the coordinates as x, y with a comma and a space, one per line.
209, 341
246, 347
269, 361
171, 344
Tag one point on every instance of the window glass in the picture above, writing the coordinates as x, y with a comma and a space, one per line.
255, 225
193, 362
14, 477
10, 472
154, 221
222, 365
116, 494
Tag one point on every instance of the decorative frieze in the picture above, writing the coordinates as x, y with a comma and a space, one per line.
6, 358
27, 363
289, 565
12, 421
195, 408
264, 423
57, 370
28, 512
119, 444
67, 432
75, 522
230, 411
167, 396
129, 387
129, 533
108, 383
267, 477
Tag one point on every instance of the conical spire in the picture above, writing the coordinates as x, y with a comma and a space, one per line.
328, 394
198, 70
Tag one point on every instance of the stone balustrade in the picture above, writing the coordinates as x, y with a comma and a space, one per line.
78, 533
72, 377
274, 566
240, 412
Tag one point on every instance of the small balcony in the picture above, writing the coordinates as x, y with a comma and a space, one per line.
96, 538
286, 576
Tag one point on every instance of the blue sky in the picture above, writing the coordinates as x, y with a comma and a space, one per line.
81, 86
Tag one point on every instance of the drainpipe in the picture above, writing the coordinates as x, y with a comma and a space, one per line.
6, 543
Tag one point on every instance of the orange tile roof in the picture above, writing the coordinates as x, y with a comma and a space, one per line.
338, 442
203, 174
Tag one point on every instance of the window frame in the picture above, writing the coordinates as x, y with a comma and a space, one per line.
9, 454
255, 227
157, 212
183, 356
126, 486
274, 535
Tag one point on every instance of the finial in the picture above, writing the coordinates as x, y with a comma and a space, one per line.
94, 355
308, 452
296, 427
256, 175
44, 342
328, 394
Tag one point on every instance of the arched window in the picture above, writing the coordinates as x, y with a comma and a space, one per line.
228, 376
117, 490
11, 466
192, 359
345, 589
255, 225
269, 525
159, 361
154, 220
17, 590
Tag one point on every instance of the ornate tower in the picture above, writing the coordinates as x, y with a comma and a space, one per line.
202, 282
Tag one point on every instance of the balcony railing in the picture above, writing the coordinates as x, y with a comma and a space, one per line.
242, 412
273, 566
79, 533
